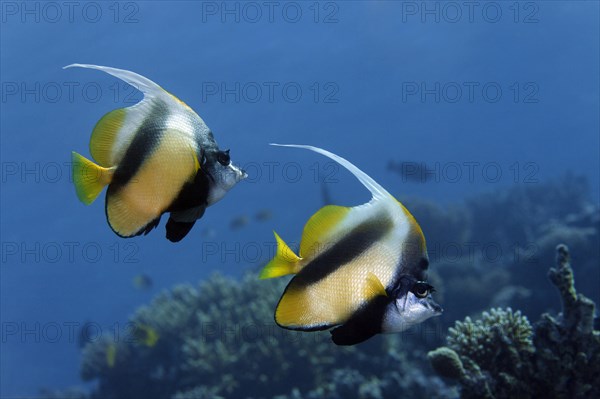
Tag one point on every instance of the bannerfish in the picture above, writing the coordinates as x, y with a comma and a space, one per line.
362, 269
156, 156
142, 282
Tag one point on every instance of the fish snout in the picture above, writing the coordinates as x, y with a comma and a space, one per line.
237, 173
437, 309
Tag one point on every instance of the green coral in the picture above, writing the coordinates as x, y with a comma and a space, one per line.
503, 357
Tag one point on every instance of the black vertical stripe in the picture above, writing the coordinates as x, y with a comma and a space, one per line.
413, 262
356, 242
363, 324
144, 143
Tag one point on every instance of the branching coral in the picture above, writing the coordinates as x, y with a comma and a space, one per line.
499, 344
499, 356
568, 355
485, 340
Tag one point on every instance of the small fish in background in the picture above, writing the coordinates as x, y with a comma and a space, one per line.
209, 233
144, 335
264, 215
156, 156
416, 172
111, 354
239, 222
362, 270
142, 282
86, 333
325, 195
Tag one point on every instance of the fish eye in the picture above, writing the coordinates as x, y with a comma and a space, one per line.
223, 158
422, 289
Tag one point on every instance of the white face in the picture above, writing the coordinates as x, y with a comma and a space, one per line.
409, 310
226, 176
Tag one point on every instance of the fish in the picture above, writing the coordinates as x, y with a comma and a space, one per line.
145, 335
111, 354
239, 222
86, 334
325, 195
360, 270
263, 215
156, 156
416, 172
209, 232
142, 282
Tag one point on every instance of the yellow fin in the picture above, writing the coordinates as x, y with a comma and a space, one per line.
111, 354
104, 136
318, 228
373, 287
196, 161
89, 178
285, 261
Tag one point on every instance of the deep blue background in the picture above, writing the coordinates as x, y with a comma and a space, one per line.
364, 59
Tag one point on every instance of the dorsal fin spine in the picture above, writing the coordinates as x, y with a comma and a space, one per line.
374, 187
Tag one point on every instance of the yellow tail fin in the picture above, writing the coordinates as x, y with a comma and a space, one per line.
285, 261
89, 178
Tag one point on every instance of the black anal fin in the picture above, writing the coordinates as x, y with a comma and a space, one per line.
177, 230
364, 324
180, 223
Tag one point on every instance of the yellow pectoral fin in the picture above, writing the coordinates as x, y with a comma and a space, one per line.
318, 229
285, 261
373, 287
89, 178
105, 134
196, 161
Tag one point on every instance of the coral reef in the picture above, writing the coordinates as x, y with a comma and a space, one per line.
527, 222
568, 355
501, 356
220, 340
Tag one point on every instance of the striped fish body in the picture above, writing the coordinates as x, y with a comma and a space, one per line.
351, 259
157, 156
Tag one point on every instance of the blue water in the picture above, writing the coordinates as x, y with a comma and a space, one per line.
506, 95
